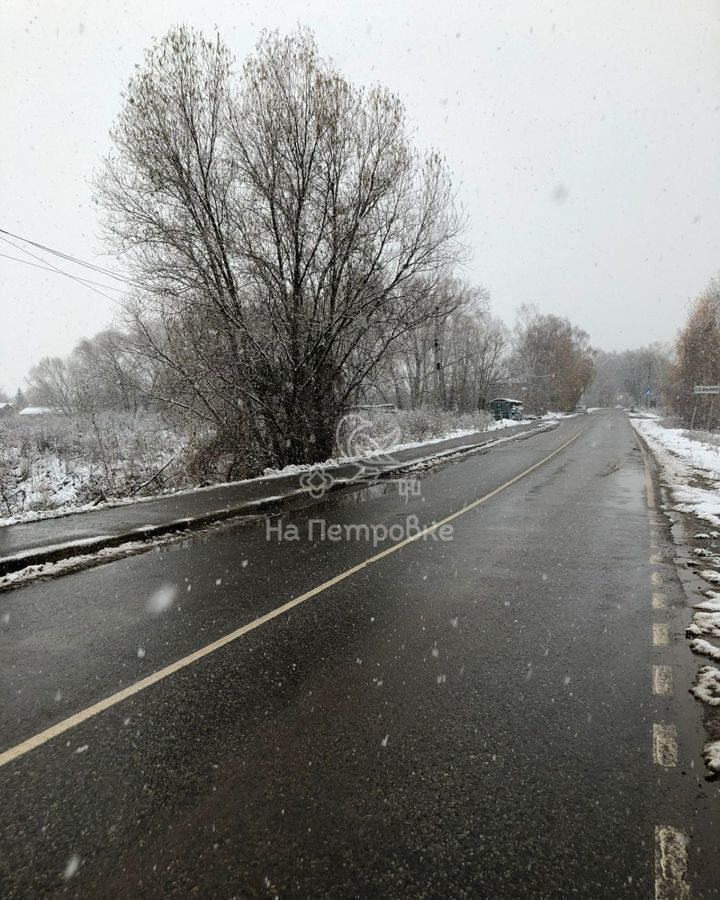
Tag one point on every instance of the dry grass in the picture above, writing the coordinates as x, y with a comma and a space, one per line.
58, 461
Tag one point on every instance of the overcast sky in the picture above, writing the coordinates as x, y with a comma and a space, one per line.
585, 138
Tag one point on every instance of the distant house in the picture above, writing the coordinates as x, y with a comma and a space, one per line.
6, 409
34, 411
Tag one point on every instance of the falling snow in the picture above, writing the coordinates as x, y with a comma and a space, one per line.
72, 866
162, 599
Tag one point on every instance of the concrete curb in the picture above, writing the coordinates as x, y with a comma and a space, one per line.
56, 552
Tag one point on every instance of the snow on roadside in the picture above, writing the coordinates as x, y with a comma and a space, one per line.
684, 460
705, 648
704, 623
707, 686
691, 471
556, 416
75, 563
712, 604
712, 756
397, 448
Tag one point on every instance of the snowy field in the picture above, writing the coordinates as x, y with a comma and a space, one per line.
690, 463
57, 464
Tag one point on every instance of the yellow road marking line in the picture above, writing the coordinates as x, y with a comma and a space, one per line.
89, 712
662, 680
659, 601
661, 635
671, 864
665, 749
656, 579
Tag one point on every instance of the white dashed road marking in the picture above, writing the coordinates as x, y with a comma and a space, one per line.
671, 863
665, 749
662, 680
671, 844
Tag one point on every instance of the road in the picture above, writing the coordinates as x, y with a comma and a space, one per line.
466, 717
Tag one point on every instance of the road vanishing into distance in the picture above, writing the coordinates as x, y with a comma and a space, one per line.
484, 709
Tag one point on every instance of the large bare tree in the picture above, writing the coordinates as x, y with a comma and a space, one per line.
285, 228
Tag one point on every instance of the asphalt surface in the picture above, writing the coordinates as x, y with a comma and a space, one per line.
461, 718
122, 520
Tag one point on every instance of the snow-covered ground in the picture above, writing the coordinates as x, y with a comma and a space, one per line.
691, 466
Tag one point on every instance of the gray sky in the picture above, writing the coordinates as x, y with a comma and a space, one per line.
585, 138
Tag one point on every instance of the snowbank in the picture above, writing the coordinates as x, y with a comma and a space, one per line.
691, 467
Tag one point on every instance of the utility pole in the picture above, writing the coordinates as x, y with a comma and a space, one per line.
436, 359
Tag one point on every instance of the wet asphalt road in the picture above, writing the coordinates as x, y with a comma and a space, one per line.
469, 717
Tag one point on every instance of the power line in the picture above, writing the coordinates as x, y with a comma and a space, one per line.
59, 271
69, 258
26, 262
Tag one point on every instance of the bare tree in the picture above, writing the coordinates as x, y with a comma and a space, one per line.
105, 373
454, 360
50, 384
287, 232
637, 376
552, 362
473, 351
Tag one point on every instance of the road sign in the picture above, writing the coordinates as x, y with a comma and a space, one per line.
706, 389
